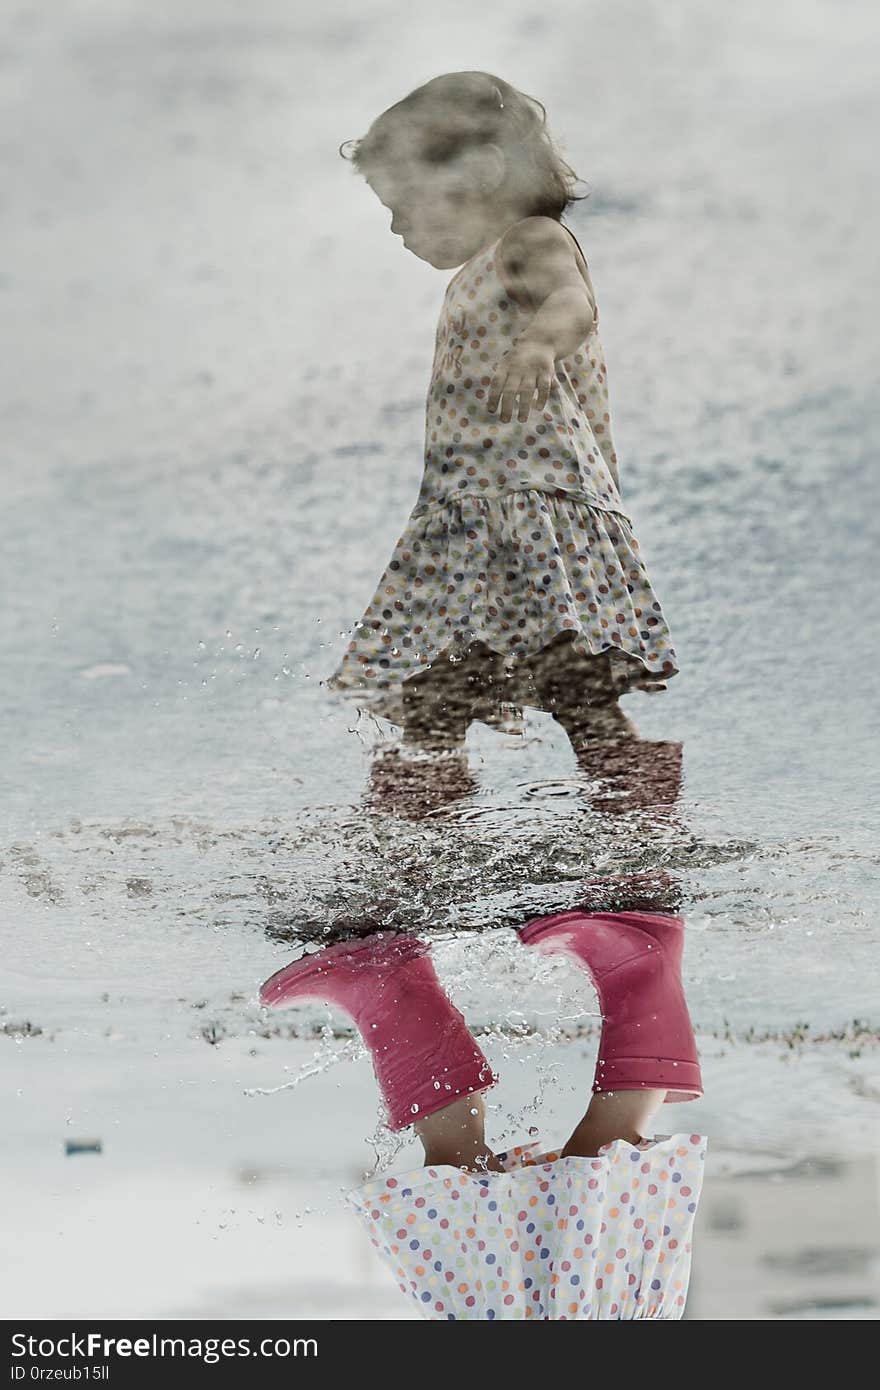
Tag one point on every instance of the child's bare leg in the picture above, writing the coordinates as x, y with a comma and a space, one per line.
432, 724
440, 702
579, 692
456, 1135
414, 789
435, 724
614, 1115
588, 725
638, 773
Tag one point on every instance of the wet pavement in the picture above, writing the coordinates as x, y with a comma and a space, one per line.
213, 422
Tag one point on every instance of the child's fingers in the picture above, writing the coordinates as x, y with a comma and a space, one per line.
537, 391
544, 388
506, 390
495, 391
508, 399
526, 396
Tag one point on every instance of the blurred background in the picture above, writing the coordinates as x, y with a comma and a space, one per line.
212, 415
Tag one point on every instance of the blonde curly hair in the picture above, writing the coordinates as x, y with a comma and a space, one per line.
459, 111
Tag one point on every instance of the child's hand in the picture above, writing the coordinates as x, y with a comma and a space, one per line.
526, 372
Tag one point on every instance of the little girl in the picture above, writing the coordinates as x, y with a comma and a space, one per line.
518, 579
600, 1229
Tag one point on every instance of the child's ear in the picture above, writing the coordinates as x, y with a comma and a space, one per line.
482, 169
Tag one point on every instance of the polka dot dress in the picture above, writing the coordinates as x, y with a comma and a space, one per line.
550, 1237
518, 535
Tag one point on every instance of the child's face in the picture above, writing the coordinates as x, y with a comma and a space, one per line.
438, 219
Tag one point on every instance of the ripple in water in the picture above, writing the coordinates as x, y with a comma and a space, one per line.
567, 790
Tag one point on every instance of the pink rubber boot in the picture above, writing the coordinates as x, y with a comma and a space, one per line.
634, 961
423, 1055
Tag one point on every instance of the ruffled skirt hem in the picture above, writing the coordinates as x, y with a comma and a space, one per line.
511, 575
603, 1238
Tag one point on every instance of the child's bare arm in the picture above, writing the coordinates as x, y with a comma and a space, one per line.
539, 269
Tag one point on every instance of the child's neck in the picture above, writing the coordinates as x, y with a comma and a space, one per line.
492, 229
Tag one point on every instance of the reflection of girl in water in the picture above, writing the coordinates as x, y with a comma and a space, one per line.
600, 1229
518, 579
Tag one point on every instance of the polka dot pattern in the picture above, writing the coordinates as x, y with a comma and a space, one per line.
577, 1238
518, 535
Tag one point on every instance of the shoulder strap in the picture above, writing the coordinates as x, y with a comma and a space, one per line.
574, 239
586, 263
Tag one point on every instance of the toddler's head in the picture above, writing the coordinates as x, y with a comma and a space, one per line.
460, 159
